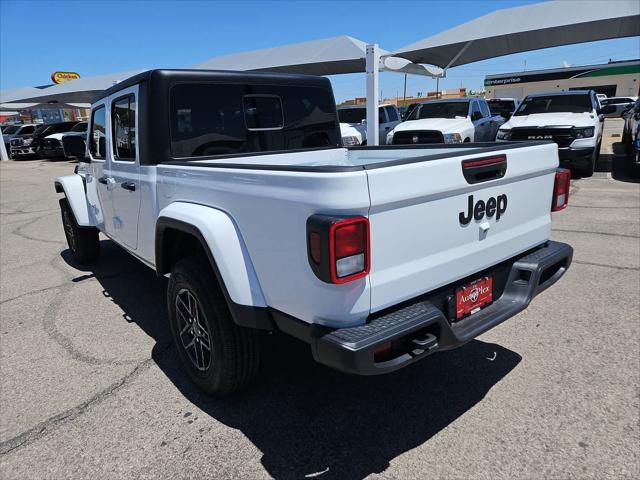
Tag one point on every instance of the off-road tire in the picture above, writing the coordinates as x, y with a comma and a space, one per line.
588, 171
83, 242
234, 356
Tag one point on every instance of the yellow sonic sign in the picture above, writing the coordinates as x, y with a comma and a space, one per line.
61, 77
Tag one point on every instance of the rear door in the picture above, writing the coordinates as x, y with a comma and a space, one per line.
423, 235
125, 165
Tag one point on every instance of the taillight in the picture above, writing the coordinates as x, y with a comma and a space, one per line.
561, 190
338, 247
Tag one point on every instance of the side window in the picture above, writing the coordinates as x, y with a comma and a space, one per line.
381, 118
392, 113
98, 144
475, 109
484, 108
123, 122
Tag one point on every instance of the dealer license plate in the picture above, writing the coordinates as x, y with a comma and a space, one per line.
473, 296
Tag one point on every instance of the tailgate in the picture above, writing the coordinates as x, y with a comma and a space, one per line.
421, 235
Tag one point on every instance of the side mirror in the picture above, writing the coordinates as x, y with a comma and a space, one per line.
476, 116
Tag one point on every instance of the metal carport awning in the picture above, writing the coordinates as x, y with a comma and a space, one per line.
328, 56
530, 27
81, 91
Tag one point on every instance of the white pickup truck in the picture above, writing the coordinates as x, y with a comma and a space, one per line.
353, 123
573, 119
236, 185
454, 120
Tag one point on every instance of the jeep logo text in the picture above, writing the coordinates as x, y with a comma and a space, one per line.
493, 206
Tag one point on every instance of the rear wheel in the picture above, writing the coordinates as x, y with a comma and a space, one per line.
83, 242
219, 356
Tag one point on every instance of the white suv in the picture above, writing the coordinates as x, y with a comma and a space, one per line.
572, 119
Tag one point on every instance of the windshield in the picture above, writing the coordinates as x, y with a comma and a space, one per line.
501, 105
352, 115
555, 103
79, 127
42, 129
439, 110
9, 129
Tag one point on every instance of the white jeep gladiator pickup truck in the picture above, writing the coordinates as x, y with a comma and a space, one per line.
236, 185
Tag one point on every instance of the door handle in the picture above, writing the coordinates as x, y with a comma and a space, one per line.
103, 180
128, 186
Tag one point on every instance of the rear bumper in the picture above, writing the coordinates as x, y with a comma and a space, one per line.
421, 327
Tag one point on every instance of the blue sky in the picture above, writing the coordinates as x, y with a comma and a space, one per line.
96, 37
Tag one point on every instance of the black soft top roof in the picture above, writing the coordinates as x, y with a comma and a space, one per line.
168, 76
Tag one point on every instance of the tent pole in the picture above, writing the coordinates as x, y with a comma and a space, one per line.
404, 96
373, 73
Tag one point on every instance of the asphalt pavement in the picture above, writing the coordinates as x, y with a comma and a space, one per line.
90, 386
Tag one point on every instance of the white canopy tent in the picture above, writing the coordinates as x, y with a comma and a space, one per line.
18, 94
80, 91
530, 27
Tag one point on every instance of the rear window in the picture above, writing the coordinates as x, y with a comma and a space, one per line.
212, 119
555, 103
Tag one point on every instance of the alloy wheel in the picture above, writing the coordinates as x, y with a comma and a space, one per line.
193, 329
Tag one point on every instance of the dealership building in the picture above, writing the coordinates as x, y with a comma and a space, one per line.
614, 79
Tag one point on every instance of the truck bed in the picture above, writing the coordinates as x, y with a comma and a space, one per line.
412, 196
351, 158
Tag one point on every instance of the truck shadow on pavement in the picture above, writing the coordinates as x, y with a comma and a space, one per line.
306, 419
616, 163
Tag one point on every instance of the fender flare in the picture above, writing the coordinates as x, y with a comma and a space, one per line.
74, 189
228, 255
